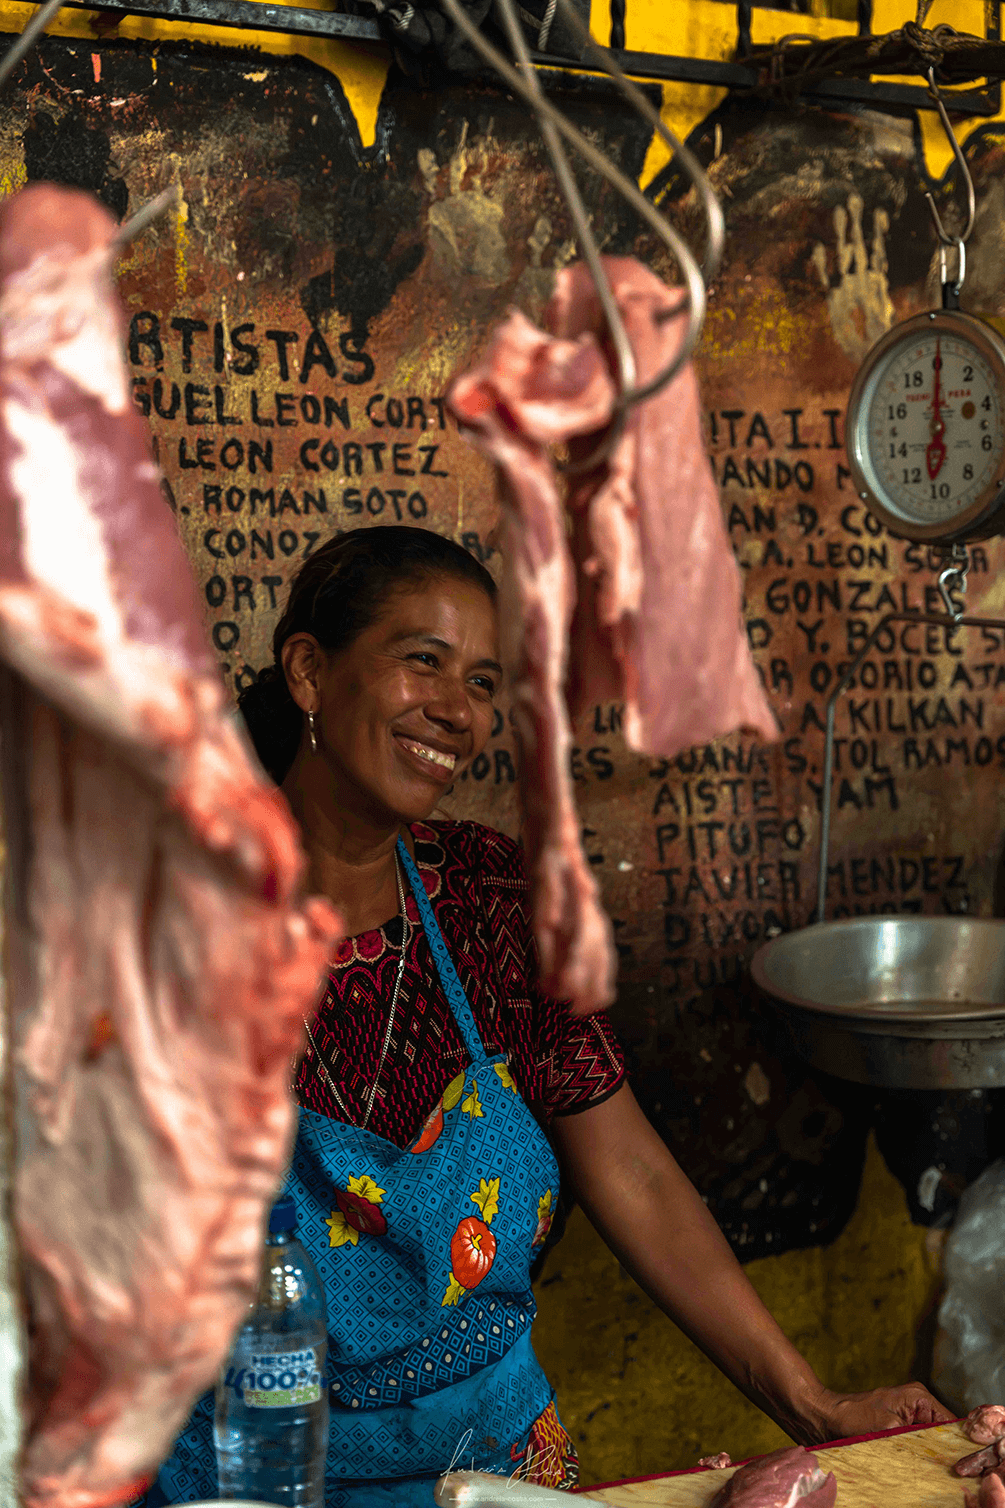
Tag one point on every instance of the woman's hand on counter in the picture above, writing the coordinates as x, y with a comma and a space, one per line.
836, 1416
655, 1222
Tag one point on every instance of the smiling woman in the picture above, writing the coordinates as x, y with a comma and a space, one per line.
340, 593
440, 1088
424, 1180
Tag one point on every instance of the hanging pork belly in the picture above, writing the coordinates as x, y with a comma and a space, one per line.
157, 961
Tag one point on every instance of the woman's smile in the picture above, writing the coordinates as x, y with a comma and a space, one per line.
408, 704
439, 761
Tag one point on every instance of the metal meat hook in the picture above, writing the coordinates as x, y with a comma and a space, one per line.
523, 81
953, 579
945, 239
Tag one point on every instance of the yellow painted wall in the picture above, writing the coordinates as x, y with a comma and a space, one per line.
639, 1398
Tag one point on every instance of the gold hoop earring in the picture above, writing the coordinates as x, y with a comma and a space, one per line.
311, 733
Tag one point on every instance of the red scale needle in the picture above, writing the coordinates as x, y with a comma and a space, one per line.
935, 453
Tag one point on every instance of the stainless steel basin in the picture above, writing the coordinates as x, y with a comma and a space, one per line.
902, 1002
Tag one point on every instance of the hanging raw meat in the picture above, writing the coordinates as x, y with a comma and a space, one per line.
531, 392
157, 962
645, 606
658, 622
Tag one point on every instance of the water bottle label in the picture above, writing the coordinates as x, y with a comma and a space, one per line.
277, 1380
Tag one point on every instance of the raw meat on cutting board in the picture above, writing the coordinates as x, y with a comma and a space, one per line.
990, 1494
986, 1424
789, 1478
981, 1460
158, 961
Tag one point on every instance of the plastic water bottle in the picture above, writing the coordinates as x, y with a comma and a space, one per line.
271, 1423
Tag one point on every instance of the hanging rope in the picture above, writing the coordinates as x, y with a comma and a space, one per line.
797, 61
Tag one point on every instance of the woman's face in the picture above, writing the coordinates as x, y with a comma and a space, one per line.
408, 705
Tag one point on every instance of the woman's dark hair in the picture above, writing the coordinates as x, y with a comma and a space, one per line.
337, 593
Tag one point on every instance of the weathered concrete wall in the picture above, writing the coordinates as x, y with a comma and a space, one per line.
343, 243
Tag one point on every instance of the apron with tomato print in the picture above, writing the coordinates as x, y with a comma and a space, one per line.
425, 1255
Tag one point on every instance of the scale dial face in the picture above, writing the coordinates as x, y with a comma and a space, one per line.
926, 428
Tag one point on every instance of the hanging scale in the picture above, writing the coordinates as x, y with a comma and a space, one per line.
925, 429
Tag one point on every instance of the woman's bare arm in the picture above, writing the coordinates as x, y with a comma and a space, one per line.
655, 1222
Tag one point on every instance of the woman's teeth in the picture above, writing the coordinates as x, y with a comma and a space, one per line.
433, 755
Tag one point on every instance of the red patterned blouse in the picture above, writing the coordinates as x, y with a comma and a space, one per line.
475, 878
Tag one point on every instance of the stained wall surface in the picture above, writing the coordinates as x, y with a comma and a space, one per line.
344, 242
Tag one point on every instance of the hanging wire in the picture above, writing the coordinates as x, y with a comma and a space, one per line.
26, 41
523, 81
623, 353
714, 221
953, 579
951, 290
136, 224
961, 162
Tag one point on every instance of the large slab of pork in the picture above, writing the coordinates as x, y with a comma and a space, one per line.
644, 608
658, 622
158, 962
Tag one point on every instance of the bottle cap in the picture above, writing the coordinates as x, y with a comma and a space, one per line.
284, 1215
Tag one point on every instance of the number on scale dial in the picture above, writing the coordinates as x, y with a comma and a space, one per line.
935, 427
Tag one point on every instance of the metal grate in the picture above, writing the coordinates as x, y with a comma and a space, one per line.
738, 73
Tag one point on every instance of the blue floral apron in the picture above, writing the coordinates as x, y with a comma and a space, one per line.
425, 1255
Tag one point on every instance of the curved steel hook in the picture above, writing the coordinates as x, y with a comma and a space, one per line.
961, 162
524, 82
714, 220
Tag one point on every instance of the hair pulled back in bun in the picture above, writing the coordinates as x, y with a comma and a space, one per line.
337, 593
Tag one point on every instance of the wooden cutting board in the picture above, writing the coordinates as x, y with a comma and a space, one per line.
901, 1469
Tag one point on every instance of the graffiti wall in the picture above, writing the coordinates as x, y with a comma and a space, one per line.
293, 329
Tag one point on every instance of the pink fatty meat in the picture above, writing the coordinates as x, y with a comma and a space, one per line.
527, 393
644, 605
990, 1493
158, 958
986, 1424
658, 622
790, 1478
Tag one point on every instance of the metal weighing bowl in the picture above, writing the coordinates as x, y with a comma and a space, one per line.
901, 1002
